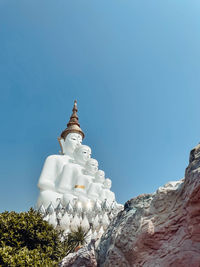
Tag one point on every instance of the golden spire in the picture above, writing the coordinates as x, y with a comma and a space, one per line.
73, 125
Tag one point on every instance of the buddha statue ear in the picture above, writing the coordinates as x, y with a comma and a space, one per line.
61, 142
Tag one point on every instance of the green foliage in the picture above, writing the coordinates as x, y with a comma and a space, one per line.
27, 240
24, 257
76, 238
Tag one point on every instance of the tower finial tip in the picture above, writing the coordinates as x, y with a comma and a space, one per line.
73, 125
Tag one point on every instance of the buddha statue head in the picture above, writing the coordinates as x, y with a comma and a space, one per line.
100, 176
91, 167
72, 136
81, 154
107, 183
71, 141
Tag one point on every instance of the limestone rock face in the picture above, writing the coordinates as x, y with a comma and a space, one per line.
153, 230
83, 257
160, 229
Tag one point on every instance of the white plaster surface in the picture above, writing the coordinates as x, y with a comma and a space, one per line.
73, 175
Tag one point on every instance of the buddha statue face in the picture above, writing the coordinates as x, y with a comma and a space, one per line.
107, 183
71, 141
100, 176
81, 154
91, 166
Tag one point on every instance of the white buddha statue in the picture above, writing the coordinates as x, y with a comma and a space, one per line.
106, 193
70, 138
73, 178
83, 181
95, 188
70, 171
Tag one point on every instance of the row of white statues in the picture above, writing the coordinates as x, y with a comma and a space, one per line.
93, 220
69, 178
73, 175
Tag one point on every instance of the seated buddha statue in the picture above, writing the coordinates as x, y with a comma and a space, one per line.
70, 138
106, 193
83, 181
95, 188
70, 171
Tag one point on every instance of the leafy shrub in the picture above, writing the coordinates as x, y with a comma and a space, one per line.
27, 240
76, 239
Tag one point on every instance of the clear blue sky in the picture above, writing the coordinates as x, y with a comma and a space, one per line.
133, 66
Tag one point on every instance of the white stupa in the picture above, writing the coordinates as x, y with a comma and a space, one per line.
73, 191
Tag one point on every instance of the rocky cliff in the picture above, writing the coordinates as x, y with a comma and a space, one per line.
157, 230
